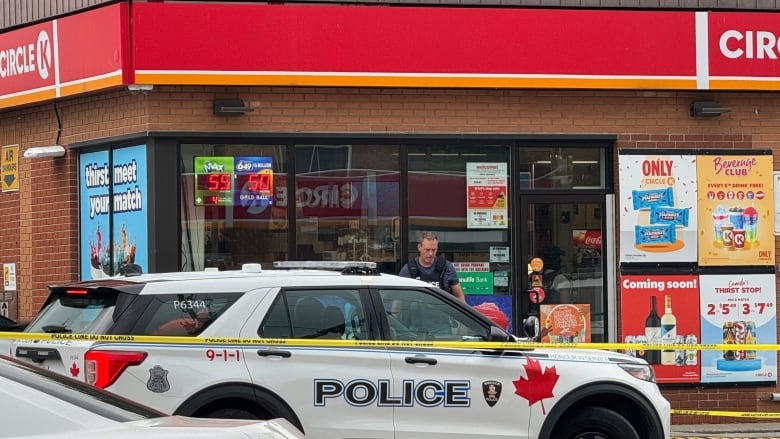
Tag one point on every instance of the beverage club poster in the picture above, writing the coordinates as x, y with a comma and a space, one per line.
736, 309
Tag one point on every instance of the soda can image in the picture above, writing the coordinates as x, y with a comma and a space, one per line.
750, 339
630, 339
640, 352
679, 353
691, 355
740, 335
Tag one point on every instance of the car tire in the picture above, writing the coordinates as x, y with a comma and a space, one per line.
231, 414
595, 423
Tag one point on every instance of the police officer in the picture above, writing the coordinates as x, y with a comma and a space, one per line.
432, 269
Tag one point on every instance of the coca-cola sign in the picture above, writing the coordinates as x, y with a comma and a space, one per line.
587, 239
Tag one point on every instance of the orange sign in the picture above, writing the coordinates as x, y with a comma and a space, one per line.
565, 323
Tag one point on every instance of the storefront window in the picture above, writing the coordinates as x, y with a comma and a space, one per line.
233, 205
562, 168
462, 194
348, 203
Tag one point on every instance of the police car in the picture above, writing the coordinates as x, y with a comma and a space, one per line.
322, 368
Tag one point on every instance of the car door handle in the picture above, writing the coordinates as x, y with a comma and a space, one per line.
274, 353
423, 360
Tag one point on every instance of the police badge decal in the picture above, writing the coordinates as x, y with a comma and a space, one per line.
158, 380
491, 390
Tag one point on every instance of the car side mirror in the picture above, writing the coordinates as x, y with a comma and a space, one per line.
531, 327
498, 334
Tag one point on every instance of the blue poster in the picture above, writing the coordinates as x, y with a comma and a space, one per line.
738, 310
103, 250
496, 307
94, 247
130, 237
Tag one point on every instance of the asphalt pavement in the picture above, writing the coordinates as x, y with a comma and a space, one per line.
753, 430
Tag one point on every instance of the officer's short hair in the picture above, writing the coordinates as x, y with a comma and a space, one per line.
428, 235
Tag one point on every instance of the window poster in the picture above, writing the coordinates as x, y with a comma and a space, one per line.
658, 216
738, 309
94, 209
656, 308
736, 209
130, 212
474, 277
497, 308
112, 193
486, 196
565, 323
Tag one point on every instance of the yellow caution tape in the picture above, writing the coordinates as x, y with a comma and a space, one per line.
373, 343
403, 343
764, 415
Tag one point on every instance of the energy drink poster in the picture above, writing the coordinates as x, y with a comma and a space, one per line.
736, 210
658, 216
738, 310
663, 309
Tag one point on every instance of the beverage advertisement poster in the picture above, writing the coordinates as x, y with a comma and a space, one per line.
656, 308
130, 212
736, 210
658, 216
117, 189
496, 307
565, 323
94, 234
738, 309
486, 196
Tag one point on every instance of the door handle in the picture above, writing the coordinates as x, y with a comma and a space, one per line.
274, 353
420, 359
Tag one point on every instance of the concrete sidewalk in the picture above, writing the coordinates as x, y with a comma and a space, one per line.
709, 429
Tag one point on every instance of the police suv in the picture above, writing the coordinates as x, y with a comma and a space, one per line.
345, 353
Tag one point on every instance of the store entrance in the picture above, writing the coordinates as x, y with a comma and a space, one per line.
563, 255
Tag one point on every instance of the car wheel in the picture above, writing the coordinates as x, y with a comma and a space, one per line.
595, 423
231, 414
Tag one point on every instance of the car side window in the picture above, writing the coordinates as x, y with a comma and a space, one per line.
315, 313
180, 314
420, 315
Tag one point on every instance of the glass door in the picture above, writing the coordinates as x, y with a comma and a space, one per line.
565, 261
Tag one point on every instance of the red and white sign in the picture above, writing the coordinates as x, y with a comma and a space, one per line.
385, 46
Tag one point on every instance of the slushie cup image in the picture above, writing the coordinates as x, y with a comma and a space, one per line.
727, 230
750, 217
719, 217
735, 217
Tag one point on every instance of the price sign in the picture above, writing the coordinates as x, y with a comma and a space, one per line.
213, 181
743, 308
254, 181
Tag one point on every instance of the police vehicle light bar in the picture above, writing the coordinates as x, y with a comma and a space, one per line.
324, 265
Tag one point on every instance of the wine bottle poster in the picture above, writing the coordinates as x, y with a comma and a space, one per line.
658, 216
738, 309
663, 309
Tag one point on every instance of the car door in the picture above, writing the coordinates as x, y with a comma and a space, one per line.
450, 392
336, 391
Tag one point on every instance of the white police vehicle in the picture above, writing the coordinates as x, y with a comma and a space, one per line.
348, 389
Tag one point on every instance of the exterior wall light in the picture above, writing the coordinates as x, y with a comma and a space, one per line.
44, 151
230, 107
707, 109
